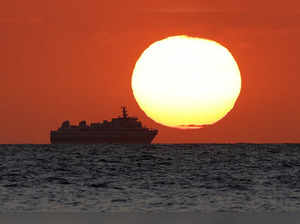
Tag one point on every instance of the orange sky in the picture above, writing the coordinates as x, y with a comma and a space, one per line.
73, 60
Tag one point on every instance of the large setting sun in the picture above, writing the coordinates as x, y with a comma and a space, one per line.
186, 82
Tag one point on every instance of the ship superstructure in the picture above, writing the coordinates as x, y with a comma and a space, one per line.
123, 129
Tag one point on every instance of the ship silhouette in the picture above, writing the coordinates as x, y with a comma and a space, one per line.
123, 129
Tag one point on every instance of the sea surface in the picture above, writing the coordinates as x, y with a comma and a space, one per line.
203, 178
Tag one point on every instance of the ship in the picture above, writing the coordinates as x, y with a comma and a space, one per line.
120, 130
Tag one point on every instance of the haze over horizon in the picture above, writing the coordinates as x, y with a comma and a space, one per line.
73, 61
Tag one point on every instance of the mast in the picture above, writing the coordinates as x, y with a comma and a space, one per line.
124, 111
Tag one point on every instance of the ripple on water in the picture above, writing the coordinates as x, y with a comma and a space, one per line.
192, 177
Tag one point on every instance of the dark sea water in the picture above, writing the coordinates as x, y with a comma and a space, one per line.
150, 178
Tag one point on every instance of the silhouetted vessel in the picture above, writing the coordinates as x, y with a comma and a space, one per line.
119, 130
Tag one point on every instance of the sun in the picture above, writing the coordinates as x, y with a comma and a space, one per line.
186, 82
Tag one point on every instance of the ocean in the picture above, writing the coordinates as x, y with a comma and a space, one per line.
108, 178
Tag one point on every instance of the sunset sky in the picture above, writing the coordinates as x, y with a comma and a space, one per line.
74, 59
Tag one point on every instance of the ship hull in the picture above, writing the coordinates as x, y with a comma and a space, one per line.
58, 138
